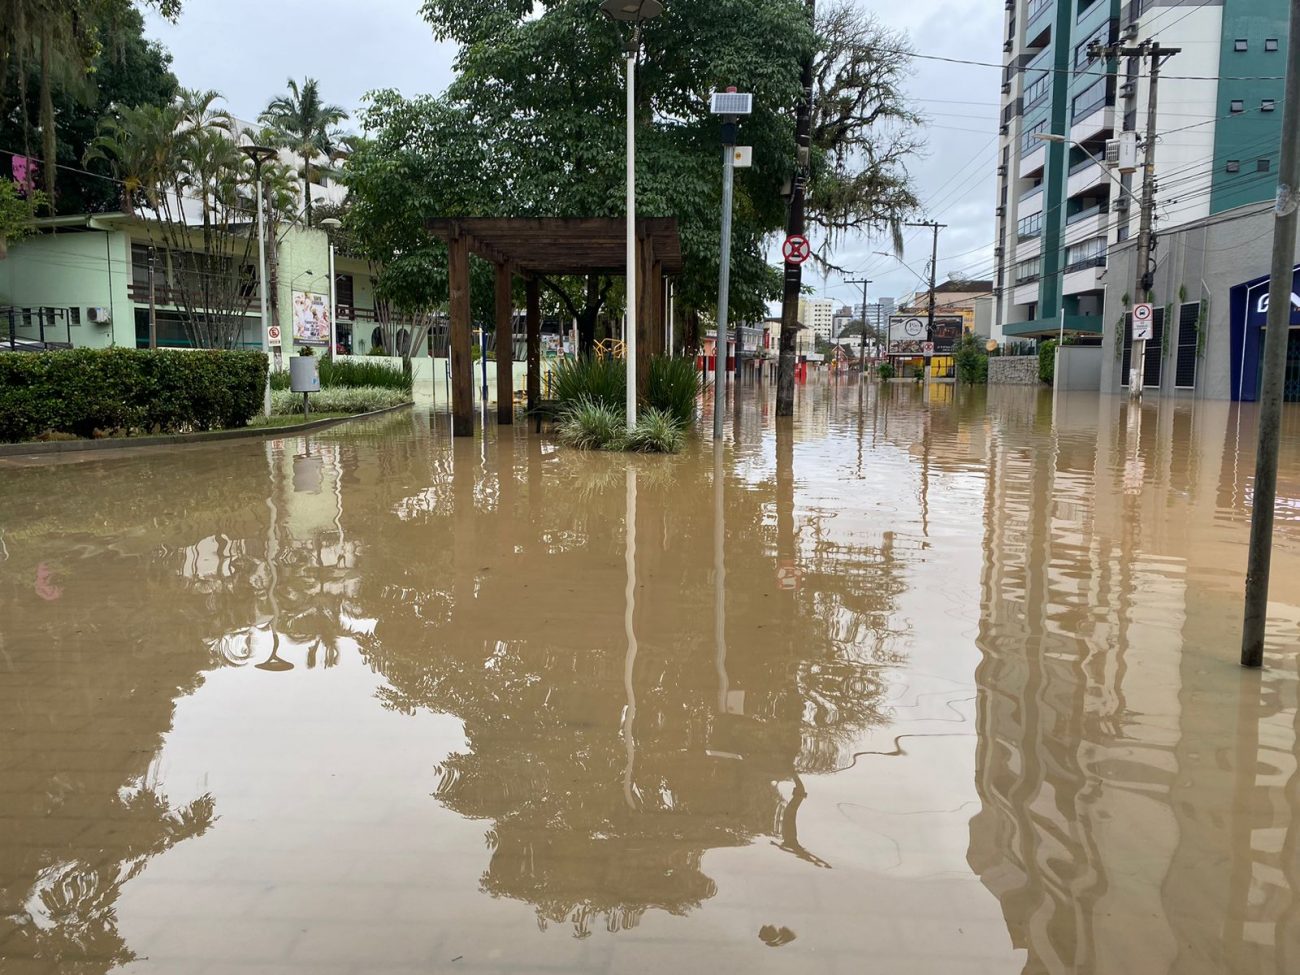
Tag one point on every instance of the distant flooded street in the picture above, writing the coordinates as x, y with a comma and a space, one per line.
933, 685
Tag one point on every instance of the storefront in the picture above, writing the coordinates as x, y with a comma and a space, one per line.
1249, 309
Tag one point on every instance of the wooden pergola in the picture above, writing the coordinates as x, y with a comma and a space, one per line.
537, 247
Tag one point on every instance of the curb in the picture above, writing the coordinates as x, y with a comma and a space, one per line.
35, 449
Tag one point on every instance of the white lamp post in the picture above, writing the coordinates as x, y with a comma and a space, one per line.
259, 155
634, 12
332, 223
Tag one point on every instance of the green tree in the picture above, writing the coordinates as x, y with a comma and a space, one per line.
301, 122
971, 359
16, 214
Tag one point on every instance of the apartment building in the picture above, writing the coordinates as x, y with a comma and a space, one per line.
1059, 212
817, 315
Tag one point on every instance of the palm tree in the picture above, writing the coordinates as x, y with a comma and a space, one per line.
301, 122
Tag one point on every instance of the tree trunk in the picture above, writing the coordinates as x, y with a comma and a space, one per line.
691, 338
587, 318
795, 225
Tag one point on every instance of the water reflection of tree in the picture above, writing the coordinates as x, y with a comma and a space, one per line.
516, 627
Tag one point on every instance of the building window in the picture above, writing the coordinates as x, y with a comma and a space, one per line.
1239, 44
1038, 89
1234, 165
1100, 36
1027, 141
74, 316
1030, 226
1270, 44
1088, 253
1267, 105
1261, 165
1237, 106
1030, 270
1090, 99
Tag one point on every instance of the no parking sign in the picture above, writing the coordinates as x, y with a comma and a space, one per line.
1144, 316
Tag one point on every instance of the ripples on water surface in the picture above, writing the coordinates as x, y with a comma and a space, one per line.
948, 687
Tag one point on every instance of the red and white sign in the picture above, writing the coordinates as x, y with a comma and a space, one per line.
1144, 315
927, 348
796, 249
273, 334
787, 576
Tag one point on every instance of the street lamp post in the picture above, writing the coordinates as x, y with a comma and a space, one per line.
332, 223
259, 155
730, 104
633, 12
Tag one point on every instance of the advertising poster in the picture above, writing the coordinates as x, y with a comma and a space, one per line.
311, 318
907, 334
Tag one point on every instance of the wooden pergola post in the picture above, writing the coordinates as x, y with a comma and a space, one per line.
462, 405
657, 279
533, 317
505, 348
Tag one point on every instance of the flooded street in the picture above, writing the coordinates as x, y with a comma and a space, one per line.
918, 686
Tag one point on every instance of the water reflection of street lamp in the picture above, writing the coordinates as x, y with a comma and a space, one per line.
260, 155
633, 12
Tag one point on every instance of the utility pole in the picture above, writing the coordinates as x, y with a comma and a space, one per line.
934, 266
153, 307
1274, 371
794, 226
1142, 276
862, 356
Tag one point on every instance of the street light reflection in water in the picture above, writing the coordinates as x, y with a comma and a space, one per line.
930, 682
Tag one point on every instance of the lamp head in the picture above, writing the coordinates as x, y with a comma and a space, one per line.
259, 154
331, 223
1050, 137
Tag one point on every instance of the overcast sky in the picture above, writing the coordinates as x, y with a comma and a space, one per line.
354, 48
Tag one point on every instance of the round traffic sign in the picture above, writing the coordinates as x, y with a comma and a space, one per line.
273, 334
1144, 312
796, 249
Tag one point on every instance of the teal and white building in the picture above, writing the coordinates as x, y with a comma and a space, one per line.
1066, 226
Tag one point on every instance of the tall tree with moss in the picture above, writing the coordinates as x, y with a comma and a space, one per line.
64, 60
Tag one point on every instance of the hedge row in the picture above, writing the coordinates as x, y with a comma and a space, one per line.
94, 392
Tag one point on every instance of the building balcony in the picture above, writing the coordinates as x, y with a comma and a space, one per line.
1030, 203
1046, 328
1087, 223
1085, 276
1086, 177
1032, 162
1094, 125
1026, 249
1025, 294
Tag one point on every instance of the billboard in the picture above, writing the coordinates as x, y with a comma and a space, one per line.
907, 334
311, 318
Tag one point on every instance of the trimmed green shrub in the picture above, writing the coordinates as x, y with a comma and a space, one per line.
349, 372
602, 381
885, 370
675, 384
339, 399
656, 432
589, 425
1047, 361
89, 392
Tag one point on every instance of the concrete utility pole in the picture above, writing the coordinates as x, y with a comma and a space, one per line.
862, 354
1142, 275
1274, 371
794, 225
934, 266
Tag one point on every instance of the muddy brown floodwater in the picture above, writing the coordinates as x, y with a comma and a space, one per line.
907, 686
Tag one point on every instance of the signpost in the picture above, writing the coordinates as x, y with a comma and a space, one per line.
927, 349
796, 249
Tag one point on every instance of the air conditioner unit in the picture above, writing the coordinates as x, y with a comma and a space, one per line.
98, 316
1000, 212
1128, 89
1006, 88
1130, 32
1122, 153
1120, 204
1003, 129
1008, 44
997, 251
1002, 170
